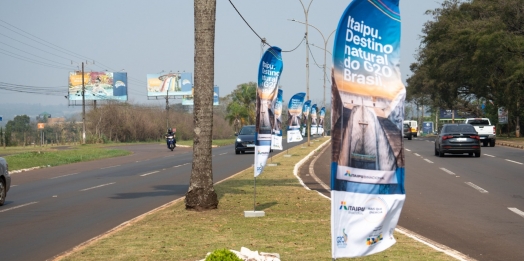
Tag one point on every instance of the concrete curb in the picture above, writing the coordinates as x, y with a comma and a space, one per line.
509, 144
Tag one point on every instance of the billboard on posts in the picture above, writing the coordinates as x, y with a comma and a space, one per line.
162, 84
98, 86
188, 99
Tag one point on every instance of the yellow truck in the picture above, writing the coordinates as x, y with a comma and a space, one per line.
414, 127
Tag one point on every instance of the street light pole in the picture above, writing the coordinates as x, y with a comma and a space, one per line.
83, 107
306, 12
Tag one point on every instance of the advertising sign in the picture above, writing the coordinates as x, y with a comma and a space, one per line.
294, 110
163, 84
322, 115
427, 127
367, 169
314, 125
276, 143
98, 86
503, 115
305, 116
269, 71
188, 99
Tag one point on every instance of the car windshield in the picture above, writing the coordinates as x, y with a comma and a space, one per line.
479, 122
250, 130
460, 128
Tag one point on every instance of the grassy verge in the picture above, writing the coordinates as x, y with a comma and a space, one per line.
54, 158
296, 224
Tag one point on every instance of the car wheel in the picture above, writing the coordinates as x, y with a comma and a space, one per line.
237, 152
409, 137
2, 192
485, 143
436, 151
492, 143
440, 153
477, 154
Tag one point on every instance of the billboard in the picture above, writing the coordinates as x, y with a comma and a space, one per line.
502, 114
188, 99
98, 86
162, 84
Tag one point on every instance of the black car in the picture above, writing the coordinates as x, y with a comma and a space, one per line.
406, 131
457, 139
245, 139
5, 180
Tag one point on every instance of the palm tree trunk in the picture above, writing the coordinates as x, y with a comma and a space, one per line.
201, 194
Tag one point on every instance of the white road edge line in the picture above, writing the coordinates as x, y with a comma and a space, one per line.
489, 155
64, 175
27, 204
448, 171
477, 187
98, 186
110, 167
517, 211
514, 161
149, 173
223, 153
428, 160
416, 154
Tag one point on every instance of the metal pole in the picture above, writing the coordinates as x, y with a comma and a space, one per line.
255, 195
306, 11
83, 107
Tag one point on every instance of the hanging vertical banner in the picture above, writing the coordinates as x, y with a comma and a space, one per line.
269, 72
321, 116
367, 170
313, 124
294, 110
276, 143
305, 116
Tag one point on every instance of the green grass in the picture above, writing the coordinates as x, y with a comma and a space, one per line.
55, 158
296, 224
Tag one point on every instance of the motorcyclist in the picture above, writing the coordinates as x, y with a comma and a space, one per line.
170, 132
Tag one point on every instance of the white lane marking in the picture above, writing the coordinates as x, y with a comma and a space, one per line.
64, 175
514, 161
223, 153
428, 160
149, 173
517, 211
110, 167
407, 149
14, 185
481, 190
27, 204
98, 186
416, 154
447, 171
489, 155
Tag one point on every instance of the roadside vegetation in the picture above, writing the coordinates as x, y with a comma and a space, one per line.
296, 223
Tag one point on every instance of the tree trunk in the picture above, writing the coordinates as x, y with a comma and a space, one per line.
201, 194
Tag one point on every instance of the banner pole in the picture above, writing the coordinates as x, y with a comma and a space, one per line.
255, 195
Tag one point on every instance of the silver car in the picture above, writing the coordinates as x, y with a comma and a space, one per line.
5, 180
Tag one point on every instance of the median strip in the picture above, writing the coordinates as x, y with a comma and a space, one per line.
98, 186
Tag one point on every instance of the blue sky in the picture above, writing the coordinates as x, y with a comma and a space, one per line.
142, 37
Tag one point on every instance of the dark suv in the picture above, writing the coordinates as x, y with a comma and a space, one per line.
245, 139
5, 180
406, 131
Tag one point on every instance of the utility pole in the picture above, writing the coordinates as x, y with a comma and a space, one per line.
83, 107
167, 108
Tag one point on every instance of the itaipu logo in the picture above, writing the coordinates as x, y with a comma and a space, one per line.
262, 153
342, 240
373, 240
347, 174
119, 84
260, 168
343, 206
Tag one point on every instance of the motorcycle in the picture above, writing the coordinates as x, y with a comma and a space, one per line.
171, 142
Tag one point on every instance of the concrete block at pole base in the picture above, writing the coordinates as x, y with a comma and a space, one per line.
251, 213
287, 155
271, 164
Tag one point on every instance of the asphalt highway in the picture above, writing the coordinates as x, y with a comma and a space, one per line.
51, 210
472, 205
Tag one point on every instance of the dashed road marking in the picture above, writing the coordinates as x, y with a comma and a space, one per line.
407, 149
416, 154
517, 211
103, 185
481, 190
514, 161
428, 160
23, 205
149, 173
64, 175
447, 171
110, 167
489, 155
223, 153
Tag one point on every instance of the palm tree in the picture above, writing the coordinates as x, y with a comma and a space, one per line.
201, 195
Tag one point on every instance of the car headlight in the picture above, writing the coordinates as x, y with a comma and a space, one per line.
239, 140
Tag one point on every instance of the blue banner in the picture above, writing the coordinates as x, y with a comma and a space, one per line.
269, 71
314, 125
367, 169
294, 110
322, 115
305, 116
276, 143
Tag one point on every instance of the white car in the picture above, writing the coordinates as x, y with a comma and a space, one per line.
5, 180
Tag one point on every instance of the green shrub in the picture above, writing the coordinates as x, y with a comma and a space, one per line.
222, 255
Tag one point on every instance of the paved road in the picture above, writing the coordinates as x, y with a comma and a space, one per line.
51, 210
473, 205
